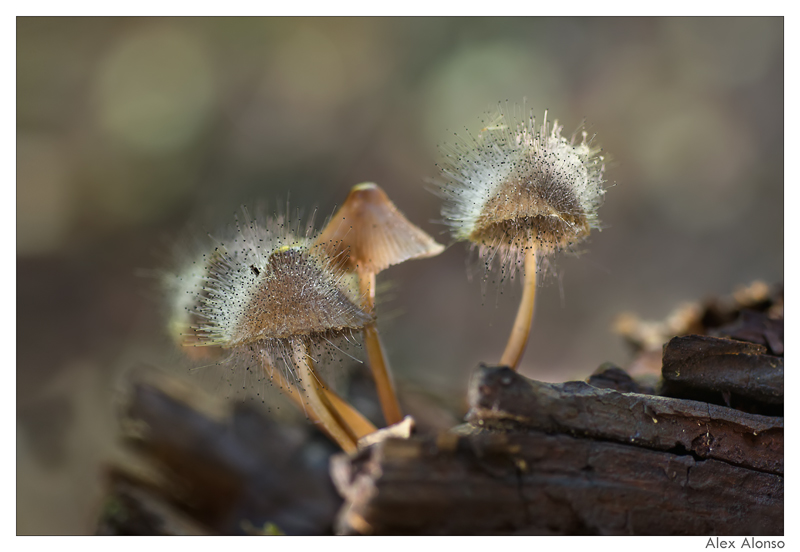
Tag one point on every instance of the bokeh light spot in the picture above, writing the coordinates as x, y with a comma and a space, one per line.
155, 90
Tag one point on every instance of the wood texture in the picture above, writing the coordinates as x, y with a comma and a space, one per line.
228, 471
712, 364
555, 459
534, 483
502, 398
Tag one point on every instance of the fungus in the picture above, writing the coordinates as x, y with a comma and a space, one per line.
351, 418
183, 290
518, 193
269, 293
373, 235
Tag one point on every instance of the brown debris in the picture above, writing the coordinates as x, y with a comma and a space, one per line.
698, 366
755, 327
706, 317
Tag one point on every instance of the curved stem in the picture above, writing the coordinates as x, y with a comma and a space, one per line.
351, 417
378, 363
318, 403
518, 339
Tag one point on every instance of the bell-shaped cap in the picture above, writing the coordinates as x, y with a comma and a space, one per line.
260, 285
520, 186
298, 295
373, 234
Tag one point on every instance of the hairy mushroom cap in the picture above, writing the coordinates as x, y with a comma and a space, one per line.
370, 231
184, 290
265, 286
516, 186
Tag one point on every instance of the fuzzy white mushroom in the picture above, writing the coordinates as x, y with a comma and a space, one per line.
519, 191
266, 290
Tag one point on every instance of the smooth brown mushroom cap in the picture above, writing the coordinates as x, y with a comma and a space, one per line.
370, 230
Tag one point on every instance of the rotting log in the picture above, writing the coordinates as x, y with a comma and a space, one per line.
610, 376
228, 471
504, 399
134, 509
696, 363
485, 482
756, 327
574, 459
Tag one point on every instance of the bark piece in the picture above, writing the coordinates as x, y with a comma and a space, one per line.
703, 317
502, 398
228, 470
756, 327
609, 376
758, 296
485, 482
721, 365
132, 510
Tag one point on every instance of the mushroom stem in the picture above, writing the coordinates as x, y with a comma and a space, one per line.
378, 363
360, 426
353, 418
319, 405
522, 324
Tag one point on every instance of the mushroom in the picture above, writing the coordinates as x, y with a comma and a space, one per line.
182, 290
372, 235
519, 193
270, 294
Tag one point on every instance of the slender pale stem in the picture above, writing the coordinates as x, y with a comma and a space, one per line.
318, 403
378, 363
518, 339
353, 418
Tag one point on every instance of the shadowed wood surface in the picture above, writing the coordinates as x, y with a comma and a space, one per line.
228, 471
555, 459
486, 482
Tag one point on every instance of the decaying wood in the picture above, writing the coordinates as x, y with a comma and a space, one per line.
736, 315
502, 398
756, 327
571, 458
533, 483
758, 296
606, 457
133, 509
609, 376
701, 363
228, 471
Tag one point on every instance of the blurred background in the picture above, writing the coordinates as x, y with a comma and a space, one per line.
130, 129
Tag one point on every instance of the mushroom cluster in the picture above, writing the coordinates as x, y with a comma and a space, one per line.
518, 192
265, 291
373, 235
